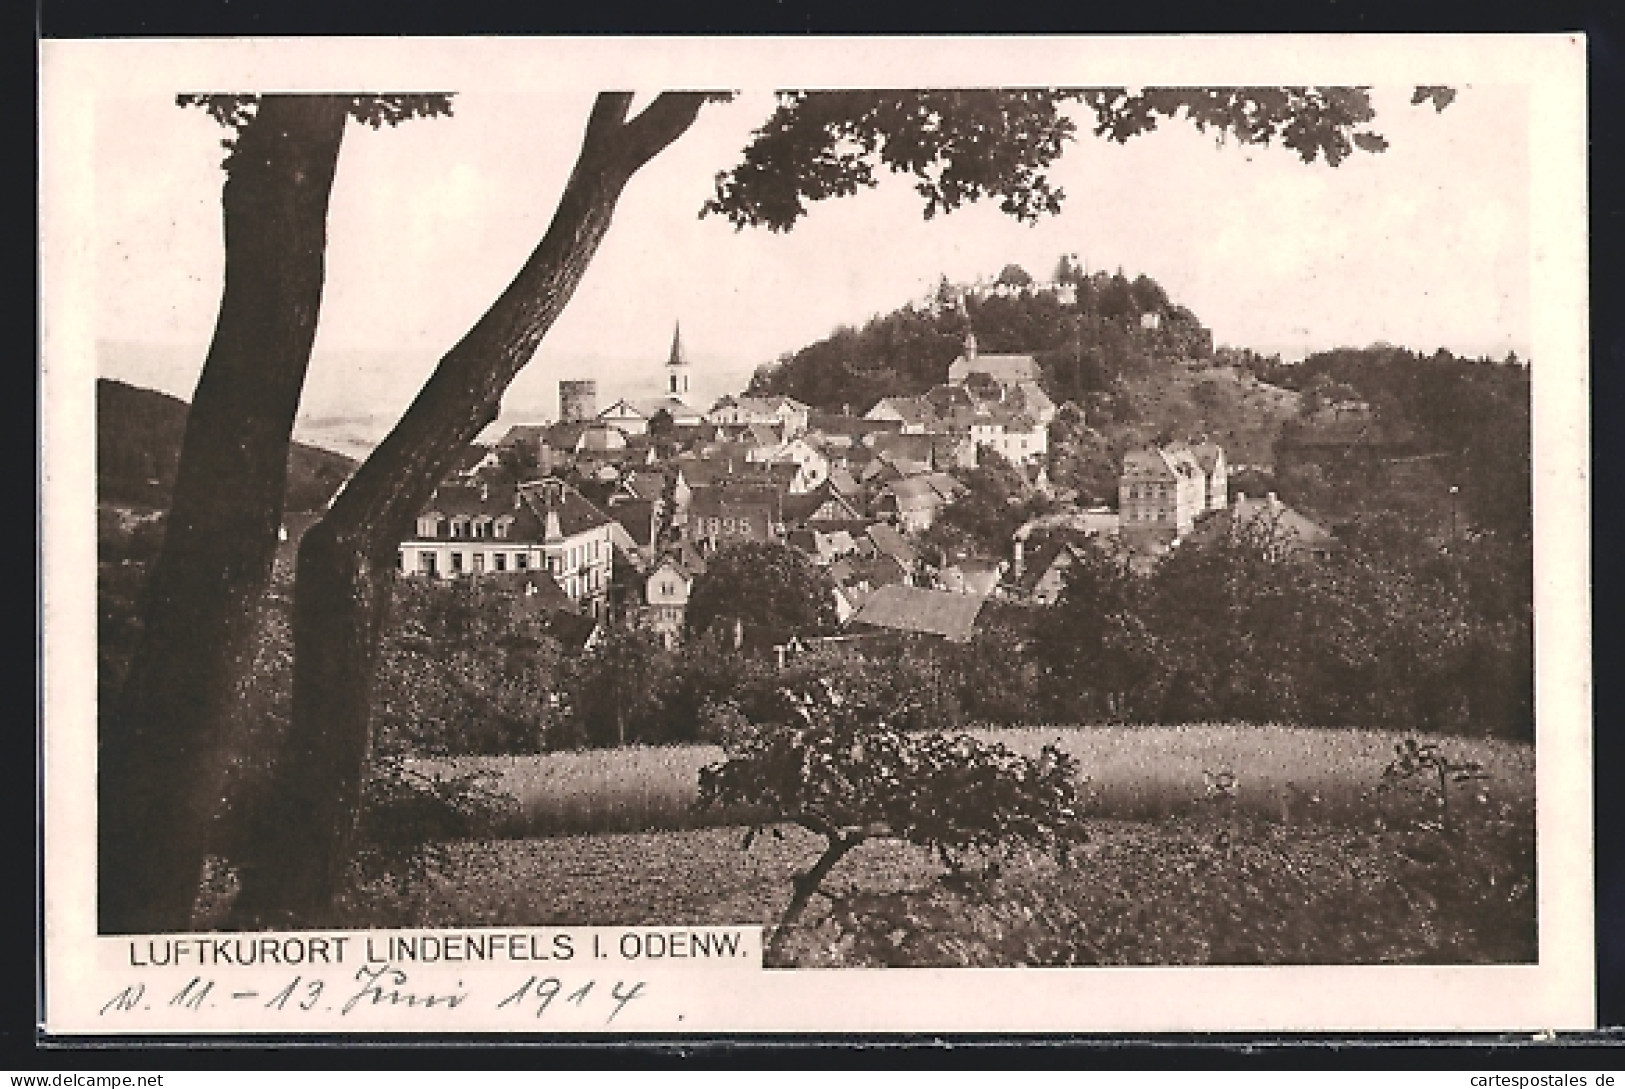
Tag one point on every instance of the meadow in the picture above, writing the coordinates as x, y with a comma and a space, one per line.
1282, 773
1308, 861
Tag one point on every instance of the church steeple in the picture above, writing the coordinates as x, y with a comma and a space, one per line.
677, 364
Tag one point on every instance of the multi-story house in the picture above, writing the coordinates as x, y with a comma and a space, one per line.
1017, 437
539, 526
1162, 490
666, 592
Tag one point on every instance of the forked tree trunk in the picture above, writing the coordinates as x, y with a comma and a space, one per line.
347, 561
161, 760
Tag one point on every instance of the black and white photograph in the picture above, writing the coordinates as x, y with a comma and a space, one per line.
767, 509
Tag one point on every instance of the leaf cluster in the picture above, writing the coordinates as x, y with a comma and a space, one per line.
1314, 122
843, 769
962, 146
237, 111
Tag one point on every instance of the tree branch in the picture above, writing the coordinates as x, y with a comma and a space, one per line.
661, 122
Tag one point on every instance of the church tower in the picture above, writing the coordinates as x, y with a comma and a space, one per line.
677, 366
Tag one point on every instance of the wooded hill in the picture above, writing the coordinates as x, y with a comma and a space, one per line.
1136, 379
1083, 346
138, 445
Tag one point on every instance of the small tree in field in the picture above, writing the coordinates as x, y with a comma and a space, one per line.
844, 771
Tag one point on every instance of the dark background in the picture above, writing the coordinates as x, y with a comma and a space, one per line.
1603, 21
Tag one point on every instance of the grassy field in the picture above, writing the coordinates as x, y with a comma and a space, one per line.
1134, 773
1308, 863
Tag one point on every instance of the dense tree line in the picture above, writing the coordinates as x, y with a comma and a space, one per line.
1473, 412
1387, 631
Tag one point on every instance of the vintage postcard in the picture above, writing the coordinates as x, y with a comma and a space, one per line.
845, 535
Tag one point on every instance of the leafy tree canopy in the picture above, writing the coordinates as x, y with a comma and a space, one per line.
764, 591
963, 146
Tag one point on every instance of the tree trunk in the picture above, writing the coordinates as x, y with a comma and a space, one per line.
803, 888
161, 760
347, 561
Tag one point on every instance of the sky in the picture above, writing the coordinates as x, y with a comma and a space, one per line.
1426, 245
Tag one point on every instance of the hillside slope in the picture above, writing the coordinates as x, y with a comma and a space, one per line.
138, 446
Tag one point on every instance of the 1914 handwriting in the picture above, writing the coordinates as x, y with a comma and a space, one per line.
385, 985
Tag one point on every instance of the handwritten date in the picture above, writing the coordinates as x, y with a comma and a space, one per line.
384, 985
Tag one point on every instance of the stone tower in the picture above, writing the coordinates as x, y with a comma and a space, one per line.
578, 400
677, 366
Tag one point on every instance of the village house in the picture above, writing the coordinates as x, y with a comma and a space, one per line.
857, 576
1018, 438
788, 414
666, 593
971, 575
823, 506
889, 542
1074, 525
914, 613
837, 434
1162, 490
625, 417
474, 462
1007, 370
811, 464
728, 512
1041, 576
1271, 523
914, 502
540, 526
639, 521
911, 415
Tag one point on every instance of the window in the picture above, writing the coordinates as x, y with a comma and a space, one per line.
479, 562
400, 561
426, 562
456, 561
501, 561
521, 561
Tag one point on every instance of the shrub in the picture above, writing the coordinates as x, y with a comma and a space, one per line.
841, 768
407, 817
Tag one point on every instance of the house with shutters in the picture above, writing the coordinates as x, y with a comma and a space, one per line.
484, 529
